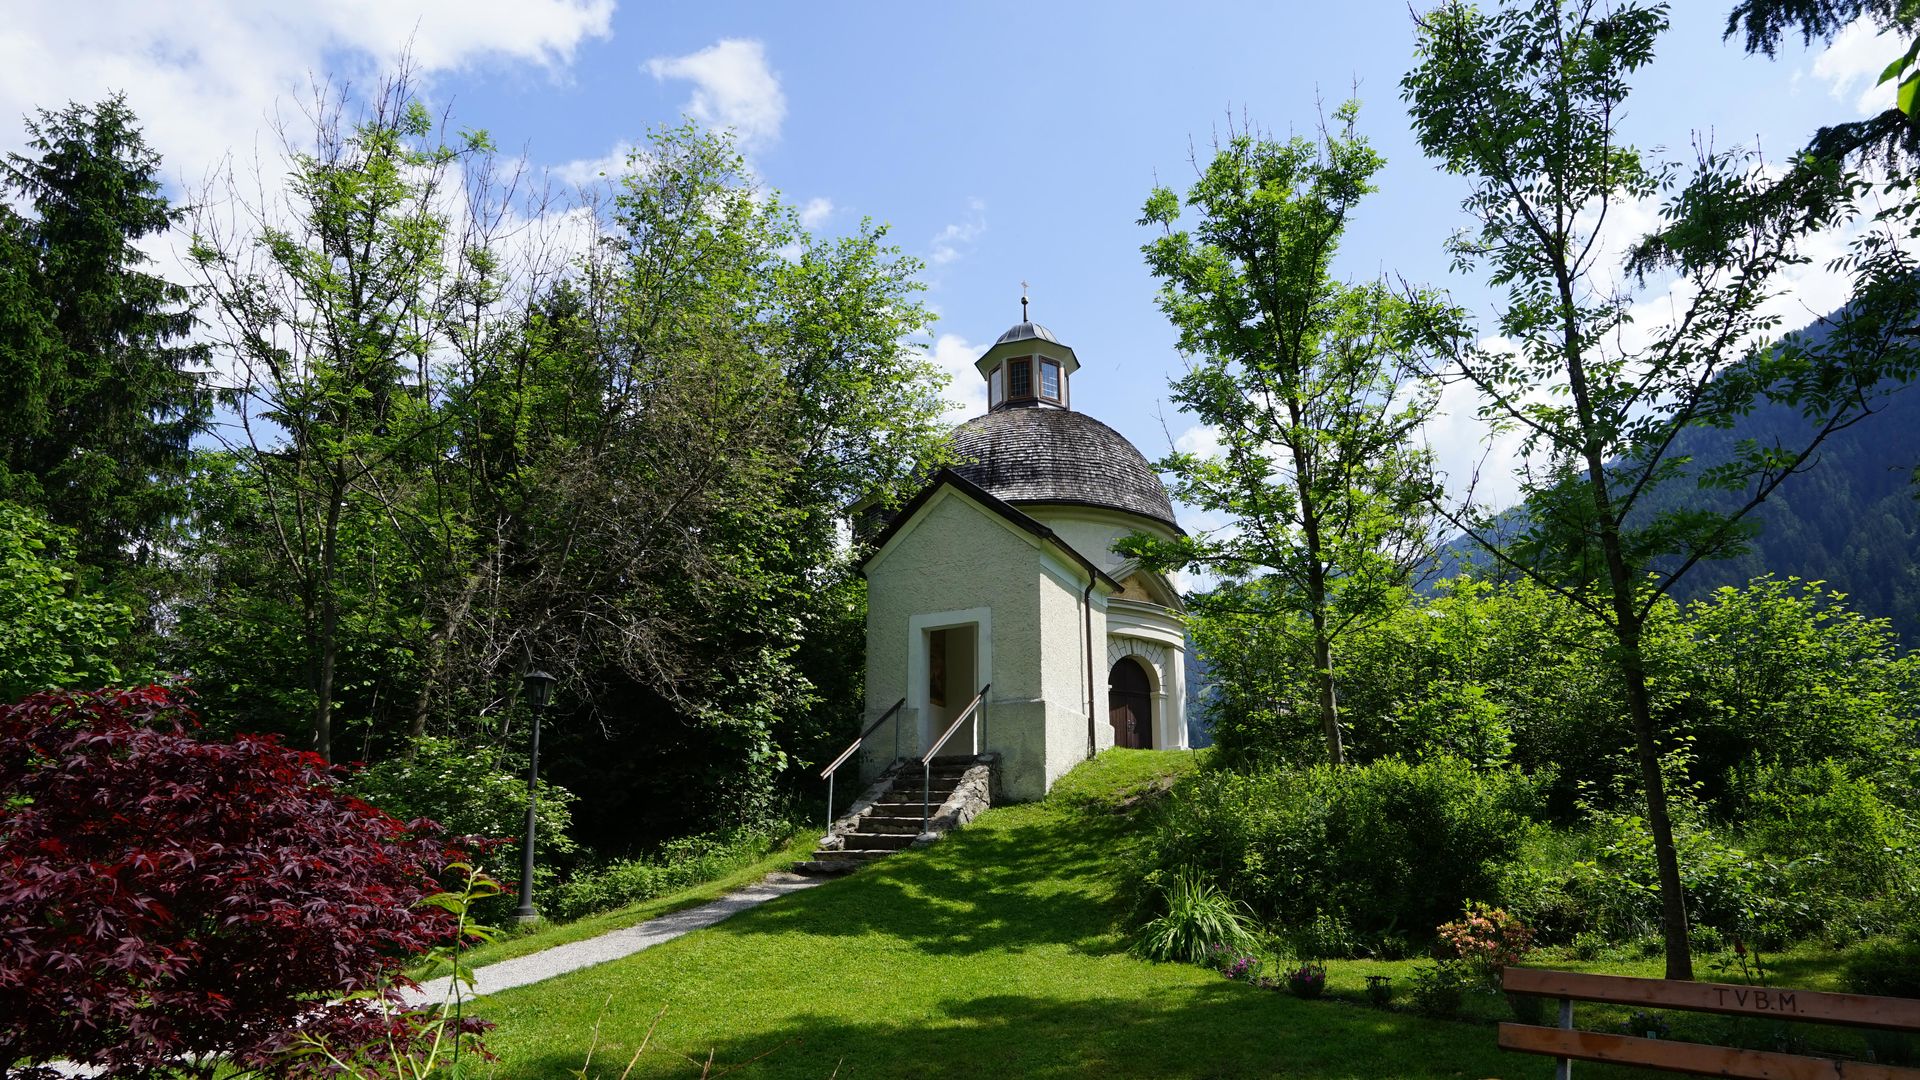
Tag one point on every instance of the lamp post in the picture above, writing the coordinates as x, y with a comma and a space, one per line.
539, 688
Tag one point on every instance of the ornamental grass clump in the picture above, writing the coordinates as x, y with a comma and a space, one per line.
1198, 918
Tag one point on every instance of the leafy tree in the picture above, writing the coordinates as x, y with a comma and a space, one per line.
1301, 375
52, 633
102, 391
1525, 103
1781, 673
622, 461
1820, 179
328, 313
657, 464
170, 900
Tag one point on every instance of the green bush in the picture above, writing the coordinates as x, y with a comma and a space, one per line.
678, 864
1198, 921
1856, 850
1777, 672
53, 632
1610, 890
1888, 967
471, 791
1440, 988
1394, 847
1781, 672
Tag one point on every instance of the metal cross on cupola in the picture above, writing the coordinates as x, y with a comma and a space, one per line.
1023, 302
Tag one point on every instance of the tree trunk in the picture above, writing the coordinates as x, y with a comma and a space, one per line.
329, 630
1303, 466
1626, 628
1673, 900
437, 647
1329, 705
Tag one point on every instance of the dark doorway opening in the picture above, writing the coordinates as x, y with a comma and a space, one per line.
1130, 705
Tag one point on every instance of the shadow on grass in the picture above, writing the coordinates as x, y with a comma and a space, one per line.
1004, 888
1216, 1030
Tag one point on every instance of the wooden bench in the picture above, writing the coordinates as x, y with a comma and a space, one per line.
1566, 1043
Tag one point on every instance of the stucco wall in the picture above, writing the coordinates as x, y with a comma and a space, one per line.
958, 557
1092, 531
959, 562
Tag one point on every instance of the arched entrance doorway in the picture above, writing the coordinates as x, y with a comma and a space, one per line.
1130, 705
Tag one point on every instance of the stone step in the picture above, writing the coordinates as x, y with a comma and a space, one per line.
904, 809
826, 864
874, 841
872, 824
854, 855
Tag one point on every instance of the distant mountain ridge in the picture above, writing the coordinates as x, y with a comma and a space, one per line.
1851, 520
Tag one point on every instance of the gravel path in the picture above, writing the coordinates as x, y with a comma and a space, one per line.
561, 959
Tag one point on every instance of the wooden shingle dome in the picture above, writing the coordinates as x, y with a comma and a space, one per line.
1058, 456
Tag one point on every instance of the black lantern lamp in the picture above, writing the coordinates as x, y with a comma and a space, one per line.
539, 689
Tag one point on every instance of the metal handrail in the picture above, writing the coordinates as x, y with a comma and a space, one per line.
827, 773
926, 759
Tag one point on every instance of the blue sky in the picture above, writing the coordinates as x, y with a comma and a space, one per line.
1000, 142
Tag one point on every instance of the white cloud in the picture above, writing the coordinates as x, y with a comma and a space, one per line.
732, 88
1852, 63
205, 76
1200, 439
208, 79
586, 172
1472, 460
966, 391
950, 243
816, 212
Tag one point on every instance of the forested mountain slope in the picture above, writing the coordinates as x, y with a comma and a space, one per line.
1852, 519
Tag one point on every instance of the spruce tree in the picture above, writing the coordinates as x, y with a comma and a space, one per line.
101, 384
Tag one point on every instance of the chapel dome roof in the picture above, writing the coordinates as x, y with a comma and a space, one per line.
1058, 456
1023, 331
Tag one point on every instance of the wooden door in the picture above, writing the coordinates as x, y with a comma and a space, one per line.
1130, 705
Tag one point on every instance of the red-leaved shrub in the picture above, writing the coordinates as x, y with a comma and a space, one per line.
165, 899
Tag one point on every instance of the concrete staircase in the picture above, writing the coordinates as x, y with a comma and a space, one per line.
888, 817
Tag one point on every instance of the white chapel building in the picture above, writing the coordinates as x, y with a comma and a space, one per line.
1001, 574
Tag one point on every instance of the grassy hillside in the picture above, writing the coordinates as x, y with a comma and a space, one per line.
994, 953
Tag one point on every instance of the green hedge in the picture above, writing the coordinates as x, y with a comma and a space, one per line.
1373, 854
676, 865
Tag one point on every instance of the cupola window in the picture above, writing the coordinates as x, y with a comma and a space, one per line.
1020, 378
1049, 379
997, 387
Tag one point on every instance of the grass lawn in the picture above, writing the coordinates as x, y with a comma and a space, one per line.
996, 952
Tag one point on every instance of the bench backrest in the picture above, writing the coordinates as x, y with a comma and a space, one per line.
1857, 1010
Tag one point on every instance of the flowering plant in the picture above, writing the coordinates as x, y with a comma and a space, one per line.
1233, 963
1307, 980
1488, 939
